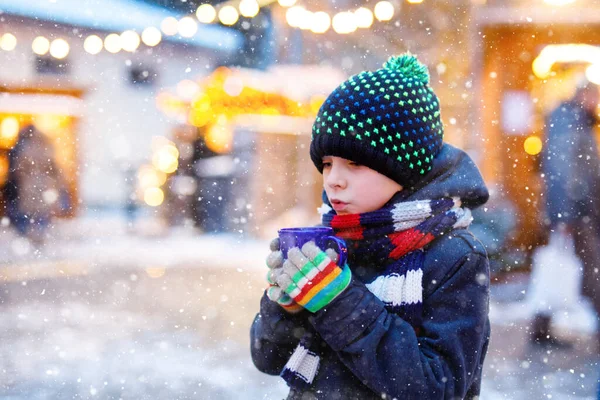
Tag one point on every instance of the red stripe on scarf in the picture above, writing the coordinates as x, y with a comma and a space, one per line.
348, 226
315, 281
406, 241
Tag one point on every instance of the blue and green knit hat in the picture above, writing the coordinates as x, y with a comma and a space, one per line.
388, 120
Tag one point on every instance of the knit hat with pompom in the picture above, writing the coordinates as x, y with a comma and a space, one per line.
388, 120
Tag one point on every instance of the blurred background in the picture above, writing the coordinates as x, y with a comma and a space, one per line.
170, 138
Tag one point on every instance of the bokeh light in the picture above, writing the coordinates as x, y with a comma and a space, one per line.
93, 44
228, 15
8, 42
112, 43
59, 48
206, 13
533, 145
151, 36
40, 45
249, 8
384, 11
364, 17
344, 22
154, 196
130, 41
169, 26
321, 22
187, 27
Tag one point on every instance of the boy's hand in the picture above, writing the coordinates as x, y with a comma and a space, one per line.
274, 292
312, 278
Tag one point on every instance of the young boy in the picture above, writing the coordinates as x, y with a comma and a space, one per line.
407, 316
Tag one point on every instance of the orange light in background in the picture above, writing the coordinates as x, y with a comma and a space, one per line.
316, 102
3, 169
219, 137
533, 145
51, 124
9, 130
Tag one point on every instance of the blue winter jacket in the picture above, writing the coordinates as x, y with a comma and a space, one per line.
367, 352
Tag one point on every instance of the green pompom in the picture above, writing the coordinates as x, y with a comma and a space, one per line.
409, 66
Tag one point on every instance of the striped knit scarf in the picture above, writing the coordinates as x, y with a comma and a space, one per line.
392, 238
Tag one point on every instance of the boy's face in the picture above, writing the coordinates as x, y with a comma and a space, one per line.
353, 189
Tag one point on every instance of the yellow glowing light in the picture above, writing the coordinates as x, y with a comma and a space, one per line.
166, 159
200, 114
93, 44
316, 102
154, 196
151, 36
40, 45
219, 137
130, 41
592, 73
112, 43
51, 124
8, 42
155, 272
344, 22
294, 16
320, 23
9, 128
559, 2
187, 27
384, 11
532, 145
249, 8
364, 17
149, 177
286, 3
415, 1
228, 15
206, 13
59, 48
564, 53
169, 26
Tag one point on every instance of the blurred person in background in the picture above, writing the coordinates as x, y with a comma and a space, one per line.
571, 168
34, 188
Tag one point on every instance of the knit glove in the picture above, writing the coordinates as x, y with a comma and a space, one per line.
274, 292
312, 278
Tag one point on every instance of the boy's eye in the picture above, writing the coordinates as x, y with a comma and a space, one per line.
326, 164
355, 164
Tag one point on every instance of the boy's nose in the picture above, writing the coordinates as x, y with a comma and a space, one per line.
335, 178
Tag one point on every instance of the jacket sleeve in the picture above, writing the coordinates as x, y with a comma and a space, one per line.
385, 353
274, 335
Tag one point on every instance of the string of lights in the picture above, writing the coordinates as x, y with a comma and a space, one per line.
297, 16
